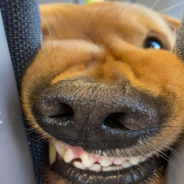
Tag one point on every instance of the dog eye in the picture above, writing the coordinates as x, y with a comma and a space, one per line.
153, 43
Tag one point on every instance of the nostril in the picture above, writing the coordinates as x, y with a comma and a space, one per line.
53, 108
113, 121
63, 110
131, 120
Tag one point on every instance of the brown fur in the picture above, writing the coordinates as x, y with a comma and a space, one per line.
104, 41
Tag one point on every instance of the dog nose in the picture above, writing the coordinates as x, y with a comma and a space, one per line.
77, 111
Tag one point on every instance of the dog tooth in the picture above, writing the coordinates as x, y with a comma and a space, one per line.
126, 165
117, 168
134, 160
68, 156
120, 167
142, 159
52, 153
107, 169
87, 160
157, 155
154, 152
60, 150
79, 165
118, 161
95, 167
105, 162
149, 155
113, 168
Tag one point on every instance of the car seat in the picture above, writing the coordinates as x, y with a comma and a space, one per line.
20, 36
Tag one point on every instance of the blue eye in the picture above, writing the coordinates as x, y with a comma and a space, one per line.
153, 43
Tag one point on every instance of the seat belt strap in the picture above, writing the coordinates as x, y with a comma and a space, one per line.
16, 165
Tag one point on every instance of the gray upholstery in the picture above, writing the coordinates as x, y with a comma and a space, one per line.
22, 26
175, 170
16, 165
179, 48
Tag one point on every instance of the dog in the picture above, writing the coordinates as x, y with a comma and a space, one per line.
106, 91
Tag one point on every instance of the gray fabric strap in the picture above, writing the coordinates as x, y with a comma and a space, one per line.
22, 27
21, 20
16, 164
179, 47
175, 169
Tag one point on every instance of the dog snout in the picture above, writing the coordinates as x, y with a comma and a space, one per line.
74, 109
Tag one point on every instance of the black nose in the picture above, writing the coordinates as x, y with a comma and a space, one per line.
96, 115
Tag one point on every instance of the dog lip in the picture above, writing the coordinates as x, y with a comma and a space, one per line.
87, 160
132, 175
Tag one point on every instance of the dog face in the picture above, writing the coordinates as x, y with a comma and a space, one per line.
106, 92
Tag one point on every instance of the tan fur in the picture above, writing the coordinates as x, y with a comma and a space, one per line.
104, 41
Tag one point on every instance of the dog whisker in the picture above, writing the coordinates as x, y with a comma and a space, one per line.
170, 8
178, 155
49, 31
179, 141
42, 140
154, 5
169, 161
143, 169
166, 157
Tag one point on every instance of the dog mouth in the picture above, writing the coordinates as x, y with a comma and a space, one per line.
78, 167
